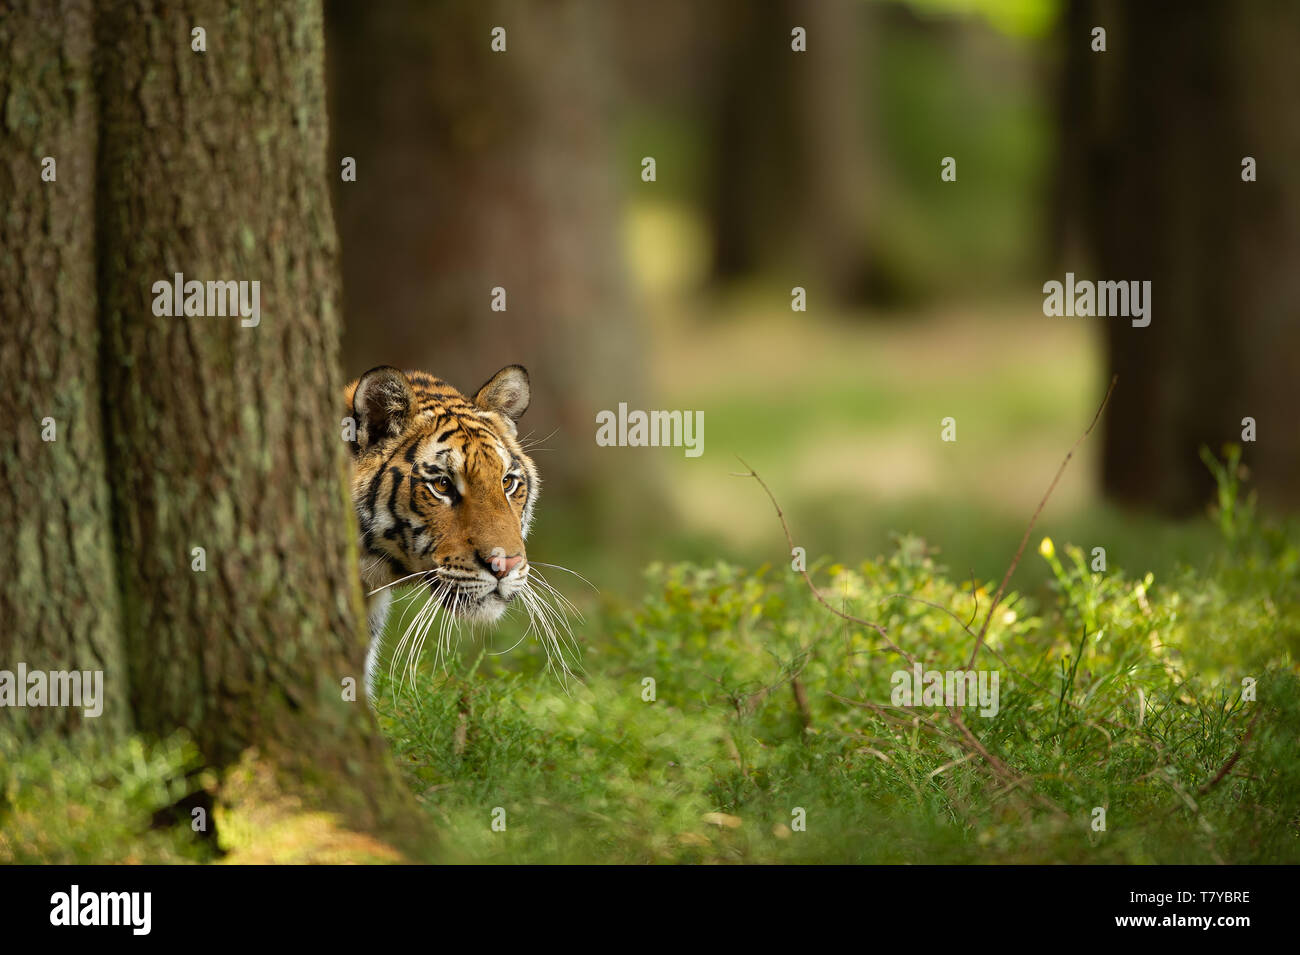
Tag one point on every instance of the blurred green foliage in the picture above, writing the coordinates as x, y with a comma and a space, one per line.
949, 239
969, 79
1020, 18
87, 801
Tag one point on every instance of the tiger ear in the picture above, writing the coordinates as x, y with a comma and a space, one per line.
507, 393
382, 402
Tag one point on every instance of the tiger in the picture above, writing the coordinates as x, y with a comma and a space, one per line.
444, 494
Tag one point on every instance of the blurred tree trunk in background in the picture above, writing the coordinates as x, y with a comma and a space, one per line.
1158, 127
58, 596
476, 170
227, 437
792, 174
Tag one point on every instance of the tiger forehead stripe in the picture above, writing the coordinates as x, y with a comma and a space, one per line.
449, 459
452, 425
475, 455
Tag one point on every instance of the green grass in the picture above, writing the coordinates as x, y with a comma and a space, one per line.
86, 800
1118, 692
1128, 692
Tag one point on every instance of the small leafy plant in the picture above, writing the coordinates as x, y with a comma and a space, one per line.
733, 718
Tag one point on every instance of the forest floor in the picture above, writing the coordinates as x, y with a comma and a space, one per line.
1148, 712
730, 717
723, 715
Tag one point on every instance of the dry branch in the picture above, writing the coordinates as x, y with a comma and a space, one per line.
966, 737
1015, 561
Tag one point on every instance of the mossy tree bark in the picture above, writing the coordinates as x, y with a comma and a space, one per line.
219, 436
58, 597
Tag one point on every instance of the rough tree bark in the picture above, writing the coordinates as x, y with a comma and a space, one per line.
222, 436
58, 597
1162, 121
475, 170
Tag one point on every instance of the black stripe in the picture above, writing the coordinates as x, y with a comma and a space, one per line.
392, 497
373, 493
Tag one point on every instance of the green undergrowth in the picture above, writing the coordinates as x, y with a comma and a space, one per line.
89, 800
732, 717
772, 736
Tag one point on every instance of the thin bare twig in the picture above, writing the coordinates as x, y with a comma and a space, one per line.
801, 702
966, 737
933, 606
975, 595
884, 634
1232, 760
1000, 768
1015, 561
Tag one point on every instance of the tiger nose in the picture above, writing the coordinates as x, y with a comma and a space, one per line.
502, 565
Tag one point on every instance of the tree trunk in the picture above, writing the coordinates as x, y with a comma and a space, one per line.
792, 169
479, 170
225, 437
58, 596
1168, 113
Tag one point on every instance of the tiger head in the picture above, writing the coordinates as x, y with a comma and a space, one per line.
443, 490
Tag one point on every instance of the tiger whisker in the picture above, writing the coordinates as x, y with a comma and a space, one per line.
443, 622
562, 600
438, 620
553, 629
497, 653
524, 443
540, 563
419, 573
413, 635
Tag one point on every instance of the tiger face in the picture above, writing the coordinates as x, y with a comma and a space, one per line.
444, 492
